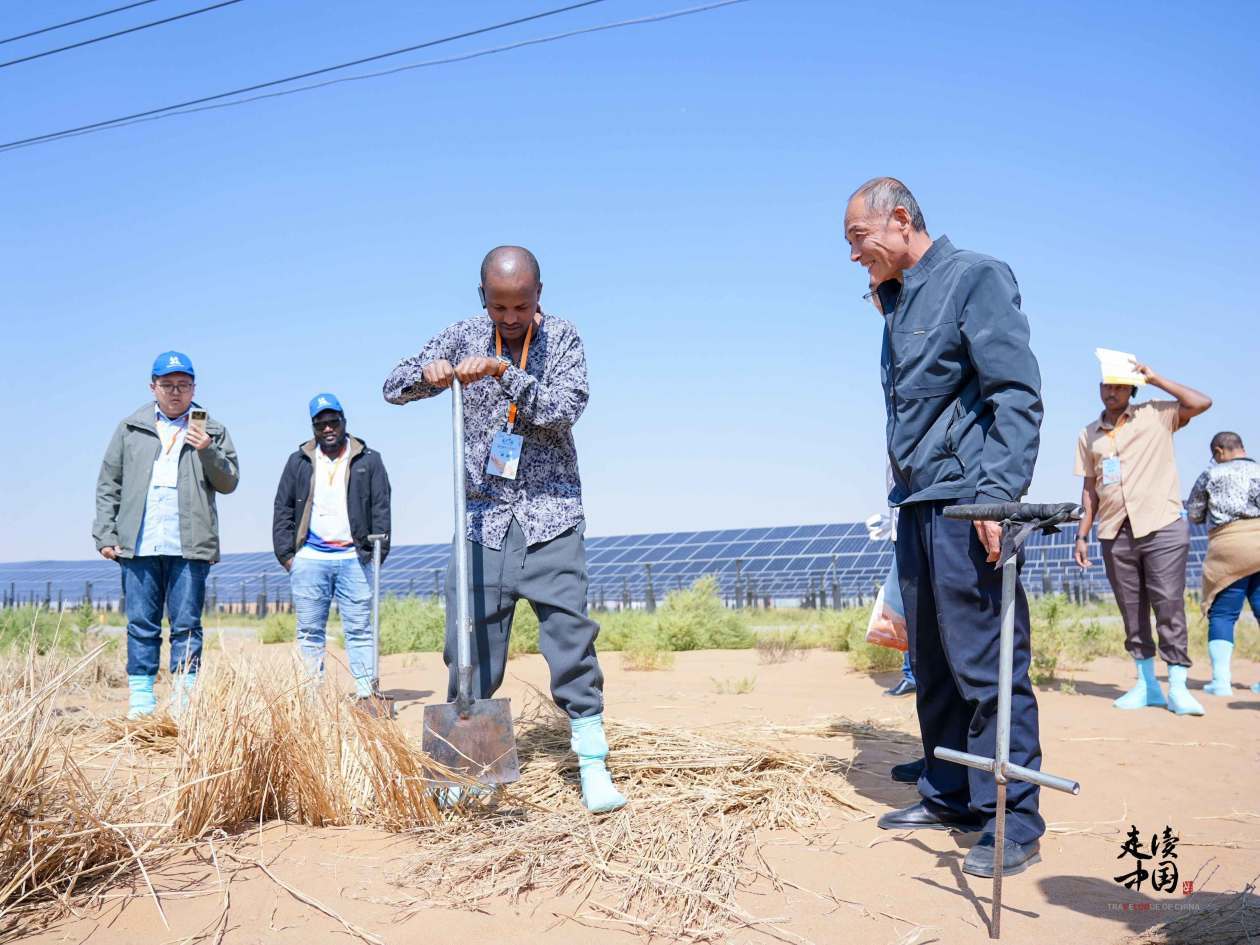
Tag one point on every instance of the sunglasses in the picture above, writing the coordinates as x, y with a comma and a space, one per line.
326, 424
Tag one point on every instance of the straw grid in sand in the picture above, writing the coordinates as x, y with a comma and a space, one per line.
83, 805
668, 864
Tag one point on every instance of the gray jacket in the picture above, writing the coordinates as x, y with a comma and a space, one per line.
123, 486
961, 385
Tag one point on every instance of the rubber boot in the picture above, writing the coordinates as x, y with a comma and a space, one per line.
142, 701
1221, 652
1146, 692
181, 691
1179, 698
589, 744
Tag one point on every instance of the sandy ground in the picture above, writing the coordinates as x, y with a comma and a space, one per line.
846, 881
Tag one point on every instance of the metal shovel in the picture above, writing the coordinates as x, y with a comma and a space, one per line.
377, 705
473, 737
1018, 520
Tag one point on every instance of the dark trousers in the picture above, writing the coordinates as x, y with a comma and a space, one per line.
953, 613
1228, 606
551, 575
1150, 572
157, 584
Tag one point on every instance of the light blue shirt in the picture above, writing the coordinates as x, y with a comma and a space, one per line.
159, 529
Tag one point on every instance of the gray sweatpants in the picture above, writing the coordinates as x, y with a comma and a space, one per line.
1150, 573
551, 575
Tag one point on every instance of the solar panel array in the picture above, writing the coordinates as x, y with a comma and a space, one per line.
784, 564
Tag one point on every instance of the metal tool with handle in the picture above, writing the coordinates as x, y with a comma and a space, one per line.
473, 737
1018, 521
377, 704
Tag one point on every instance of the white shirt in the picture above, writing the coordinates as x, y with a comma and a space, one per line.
328, 534
159, 529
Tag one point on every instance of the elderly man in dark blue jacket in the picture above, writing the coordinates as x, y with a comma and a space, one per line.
963, 394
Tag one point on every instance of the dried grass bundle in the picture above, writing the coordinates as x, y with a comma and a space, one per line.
57, 828
670, 863
1227, 920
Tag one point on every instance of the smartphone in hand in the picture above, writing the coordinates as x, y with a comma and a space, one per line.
197, 420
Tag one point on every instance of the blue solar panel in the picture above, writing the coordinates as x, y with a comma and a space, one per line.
729, 534
765, 547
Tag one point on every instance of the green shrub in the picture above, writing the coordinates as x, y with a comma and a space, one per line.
524, 637
644, 650
412, 625
278, 628
838, 626
867, 657
735, 686
696, 618
779, 646
19, 626
617, 626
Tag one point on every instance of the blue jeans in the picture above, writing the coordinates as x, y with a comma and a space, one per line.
314, 583
1228, 605
163, 583
906, 672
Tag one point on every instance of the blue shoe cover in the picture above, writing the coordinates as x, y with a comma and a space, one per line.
142, 701
1179, 698
1146, 692
1222, 684
588, 742
181, 690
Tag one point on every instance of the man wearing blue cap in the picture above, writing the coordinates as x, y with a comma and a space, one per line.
333, 494
156, 516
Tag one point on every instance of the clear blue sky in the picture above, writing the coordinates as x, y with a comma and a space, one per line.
682, 184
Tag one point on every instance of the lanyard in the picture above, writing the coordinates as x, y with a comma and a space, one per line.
179, 428
498, 352
336, 464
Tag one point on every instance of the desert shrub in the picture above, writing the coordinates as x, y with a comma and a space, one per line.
278, 628
696, 618
644, 650
781, 646
22, 627
617, 626
734, 686
524, 637
867, 657
837, 626
412, 625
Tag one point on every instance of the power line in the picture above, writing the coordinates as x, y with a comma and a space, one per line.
463, 57
82, 19
302, 75
133, 29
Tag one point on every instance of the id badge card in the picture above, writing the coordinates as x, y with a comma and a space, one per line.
1111, 471
505, 455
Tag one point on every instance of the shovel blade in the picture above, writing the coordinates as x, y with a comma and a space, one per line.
481, 746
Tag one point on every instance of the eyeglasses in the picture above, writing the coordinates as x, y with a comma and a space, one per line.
175, 388
326, 424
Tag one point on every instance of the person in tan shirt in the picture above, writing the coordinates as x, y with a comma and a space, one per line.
1133, 494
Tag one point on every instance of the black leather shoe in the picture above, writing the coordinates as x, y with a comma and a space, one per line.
903, 688
921, 817
909, 772
1016, 857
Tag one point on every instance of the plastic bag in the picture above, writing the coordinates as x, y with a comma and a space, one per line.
887, 626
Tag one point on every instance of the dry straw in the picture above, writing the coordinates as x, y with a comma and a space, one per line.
82, 806
670, 864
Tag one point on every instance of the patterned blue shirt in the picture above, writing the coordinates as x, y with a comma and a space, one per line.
550, 395
1226, 492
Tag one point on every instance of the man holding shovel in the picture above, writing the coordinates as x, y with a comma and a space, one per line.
333, 494
963, 394
524, 377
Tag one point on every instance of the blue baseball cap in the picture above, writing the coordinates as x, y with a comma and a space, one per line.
322, 402
172, 362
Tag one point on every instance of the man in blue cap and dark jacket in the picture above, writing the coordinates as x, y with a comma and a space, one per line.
963, 394
156, 516
333, 494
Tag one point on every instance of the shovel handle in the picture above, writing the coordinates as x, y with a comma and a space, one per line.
463, 622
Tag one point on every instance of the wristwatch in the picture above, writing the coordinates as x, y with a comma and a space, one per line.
1084, 538
504, 363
